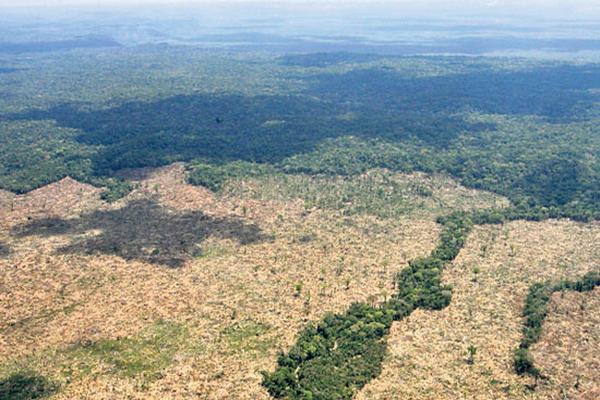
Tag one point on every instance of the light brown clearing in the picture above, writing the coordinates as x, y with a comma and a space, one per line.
57, 293
568, 351
428, 351
52, 299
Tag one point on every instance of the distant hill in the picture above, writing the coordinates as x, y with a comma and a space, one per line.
90, 41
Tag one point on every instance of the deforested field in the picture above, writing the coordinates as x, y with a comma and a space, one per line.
97, 300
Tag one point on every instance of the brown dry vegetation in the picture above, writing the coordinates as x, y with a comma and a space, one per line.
428, 351
232, 304
60, 292
568, 350
377, 192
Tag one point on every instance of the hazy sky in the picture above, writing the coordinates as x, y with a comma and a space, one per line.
588, 9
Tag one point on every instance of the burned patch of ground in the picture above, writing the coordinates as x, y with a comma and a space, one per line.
4, 249
142, 230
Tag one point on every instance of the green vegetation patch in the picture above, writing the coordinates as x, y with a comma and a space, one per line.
214, 177
35, 153
249, 338
116, 189
333, 359
349, 155
27, 385
143, 356
378, 192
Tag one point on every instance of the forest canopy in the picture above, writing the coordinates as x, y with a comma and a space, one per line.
523, 129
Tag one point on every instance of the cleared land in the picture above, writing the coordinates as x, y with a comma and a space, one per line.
174, 292
428, 352
568, 349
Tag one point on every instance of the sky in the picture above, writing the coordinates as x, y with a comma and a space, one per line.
585, 9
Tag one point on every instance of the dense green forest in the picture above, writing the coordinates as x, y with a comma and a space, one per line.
522, 129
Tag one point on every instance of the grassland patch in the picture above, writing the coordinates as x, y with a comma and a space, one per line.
142, 356
214, 177
248, 338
